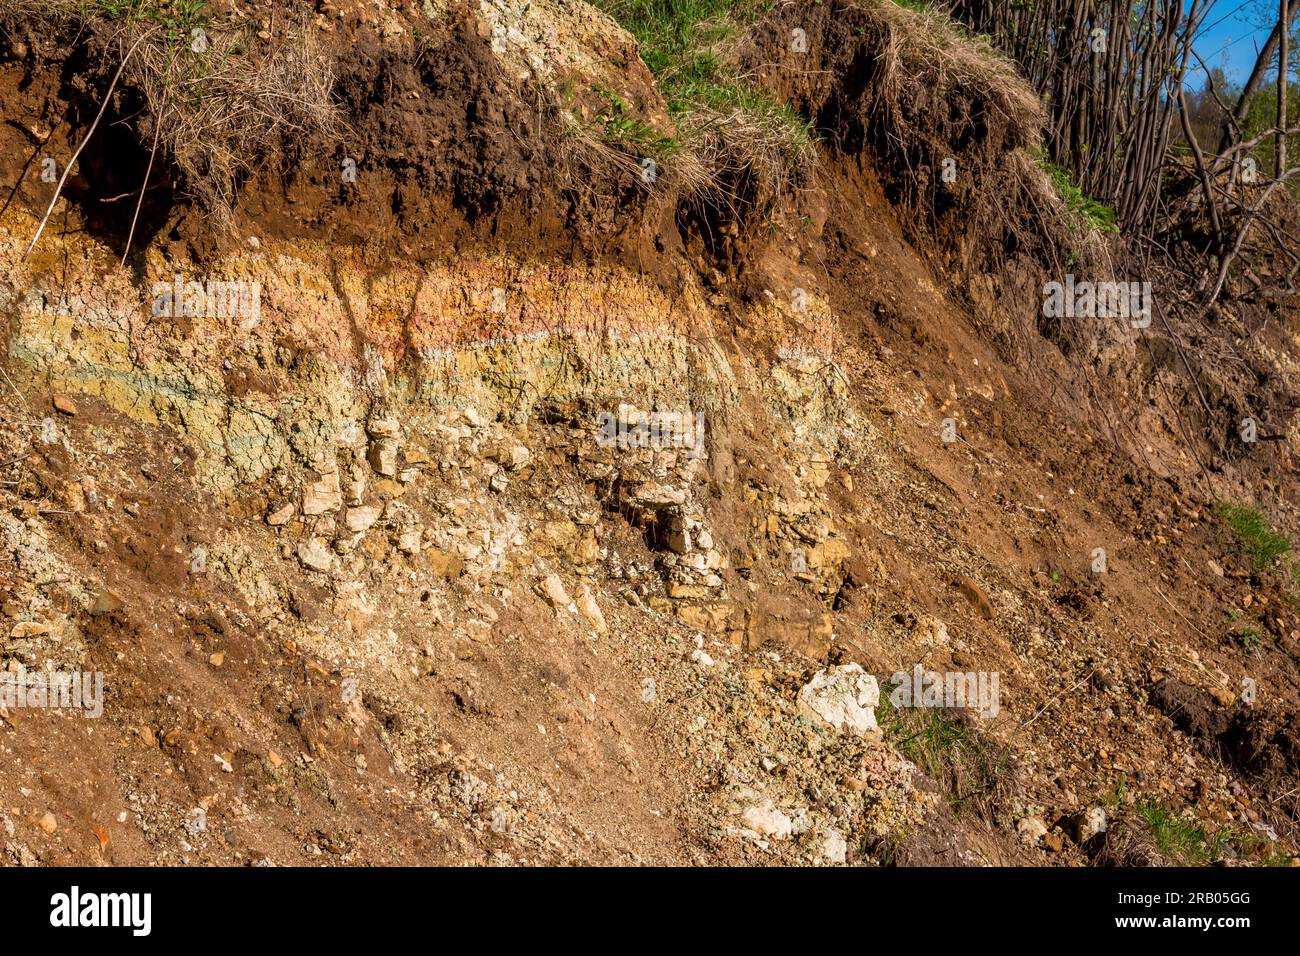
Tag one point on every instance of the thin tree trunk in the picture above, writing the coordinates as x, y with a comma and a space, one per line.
1282, 71
1207, 187
1254, 80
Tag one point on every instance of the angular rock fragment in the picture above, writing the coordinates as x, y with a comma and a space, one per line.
844, 697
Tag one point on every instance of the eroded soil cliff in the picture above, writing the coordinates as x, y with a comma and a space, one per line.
368, 581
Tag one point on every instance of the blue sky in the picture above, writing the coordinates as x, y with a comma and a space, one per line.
1236, 29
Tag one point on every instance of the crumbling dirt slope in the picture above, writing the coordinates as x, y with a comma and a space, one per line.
366, 584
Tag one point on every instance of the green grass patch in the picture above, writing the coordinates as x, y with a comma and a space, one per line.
1097, 215
621, 127
1264, 546
973, 771
1115, 794
685, 44
1249, 638
1186, 841
178, 17
683, 39
1176, 836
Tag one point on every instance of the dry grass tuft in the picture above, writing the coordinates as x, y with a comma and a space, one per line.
751, 157
590, 157
939, 53
734, 162
225, 116
218, 113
